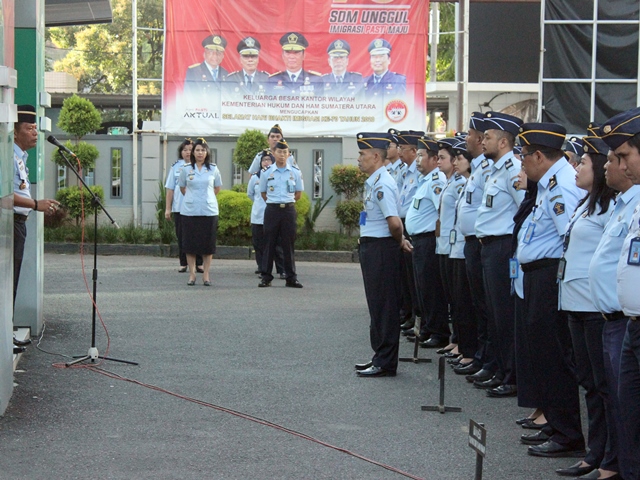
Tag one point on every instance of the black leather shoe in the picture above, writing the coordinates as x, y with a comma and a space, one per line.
503, 391
264, 283
411, 337
537, 438
293, 284
530, 424
257, 272
454, 362
21, 343
524, 420
575, 470
481, 376
595, 474
450, 354
442, 351
363, 366
199, 269
409, 324
434, 343
468, 369
375, 372
555, 450
409, 333
283, 276
493, 382
17, 350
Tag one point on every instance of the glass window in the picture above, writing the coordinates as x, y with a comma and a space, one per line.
62, 177
317, 156
116, 173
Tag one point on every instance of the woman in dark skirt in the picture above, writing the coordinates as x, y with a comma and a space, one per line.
199, 182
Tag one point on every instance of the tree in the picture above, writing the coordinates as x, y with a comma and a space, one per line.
99, 56
445, 62
348, 181
249, 143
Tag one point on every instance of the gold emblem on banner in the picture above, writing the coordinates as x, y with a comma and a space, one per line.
217, 40
338, 44
378, 43
250, 42
293, 38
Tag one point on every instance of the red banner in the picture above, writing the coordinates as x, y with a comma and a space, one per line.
317, 67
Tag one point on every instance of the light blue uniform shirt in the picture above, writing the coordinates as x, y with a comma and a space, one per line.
255, 165
447, 214
585, 232
409, 187
500, 199
556, 200
472, 195
423, 213
457, 248
21, 177
281, 184
395, 170
628, 276
604, 264
253, 192
172, 184
380, 202
199, 198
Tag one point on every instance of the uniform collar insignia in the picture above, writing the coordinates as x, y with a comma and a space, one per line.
376, 180
552, 182
508, 164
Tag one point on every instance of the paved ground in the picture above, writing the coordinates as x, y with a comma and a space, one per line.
280, 354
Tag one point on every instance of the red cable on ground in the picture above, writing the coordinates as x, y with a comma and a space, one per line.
251, 418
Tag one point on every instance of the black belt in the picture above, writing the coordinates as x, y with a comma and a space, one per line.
612, 317
423, 235
281, 205
362, 240
538, 264
470, 238
491, 239
18, 217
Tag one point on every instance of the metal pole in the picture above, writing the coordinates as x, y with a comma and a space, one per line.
134, 107
465, 63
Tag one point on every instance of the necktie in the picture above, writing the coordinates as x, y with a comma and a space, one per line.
247, 79
376, 79
215, 75
293, 77
340, 79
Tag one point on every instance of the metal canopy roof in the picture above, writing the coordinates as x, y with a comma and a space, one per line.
60, 13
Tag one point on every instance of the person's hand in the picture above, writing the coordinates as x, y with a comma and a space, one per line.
48, 206
167, 214
406, 246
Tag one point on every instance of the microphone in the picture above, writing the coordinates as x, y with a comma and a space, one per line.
54, 141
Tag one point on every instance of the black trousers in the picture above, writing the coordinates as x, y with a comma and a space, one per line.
500, 307
279, 223
381, 273
19, 239
177, 222
257, 239
629, 395
446, 275
485, 354
410, 306
465, 318
550, 380
430, 295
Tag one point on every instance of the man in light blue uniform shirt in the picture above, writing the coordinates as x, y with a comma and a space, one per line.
274, 136
281, 186
381, 241
549, 382
494, 226
485, 363
622, 134
395, 166
421, 226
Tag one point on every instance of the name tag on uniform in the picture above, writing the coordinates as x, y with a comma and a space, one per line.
529, 233
513, 268
489, 202
469, 195
363, 218
291, 186
562, 266
452, 237
634, 252
416, 203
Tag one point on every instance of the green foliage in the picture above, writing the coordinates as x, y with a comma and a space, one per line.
79, 117
73, 200
240, 187
86, 153
348, 214
314, 213
234, 221
248, 145
302, 208
99, 56
326, 241
445, 61
347, 180
166, 228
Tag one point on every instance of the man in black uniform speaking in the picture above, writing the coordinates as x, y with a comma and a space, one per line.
381, 243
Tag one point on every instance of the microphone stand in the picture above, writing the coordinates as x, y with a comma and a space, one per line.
92, 354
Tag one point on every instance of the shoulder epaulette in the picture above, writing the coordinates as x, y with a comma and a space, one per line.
195, 65
553, 182
232, 73
172, 165
315, 73
485, 163
435, 176
274, 74
508, 164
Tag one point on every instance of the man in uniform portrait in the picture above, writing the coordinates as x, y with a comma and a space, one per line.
294, 80
340, 81
205, 77
383, 82
248, 79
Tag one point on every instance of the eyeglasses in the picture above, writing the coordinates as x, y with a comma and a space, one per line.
522, 154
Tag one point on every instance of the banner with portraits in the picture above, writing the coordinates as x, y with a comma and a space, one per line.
317, 67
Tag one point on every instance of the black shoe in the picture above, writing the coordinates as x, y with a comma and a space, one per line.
575, 470
555, 450
409, 333
17, 350
468, 369
257, 272
537, 438
442, 351
455, 361
363, 366
532, 425
480, 376
434, 343
375, 372
293, 284
411, 337
409, 324
503, 391
283, 276
524, 420
21, 343
182, 269
199, 269
493, 382
595, 475
264, 283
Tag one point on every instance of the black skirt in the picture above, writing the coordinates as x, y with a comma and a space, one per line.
199, 234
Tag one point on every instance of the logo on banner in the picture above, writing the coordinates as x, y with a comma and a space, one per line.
396, 111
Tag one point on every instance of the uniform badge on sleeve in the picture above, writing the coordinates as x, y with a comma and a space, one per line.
437, 190
558, 208
380, 195
552, 183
